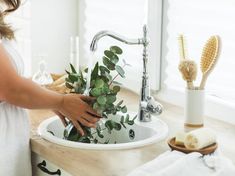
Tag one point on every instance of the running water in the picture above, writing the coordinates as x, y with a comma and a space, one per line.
88, 78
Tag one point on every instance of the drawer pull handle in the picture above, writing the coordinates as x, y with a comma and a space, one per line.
43, 168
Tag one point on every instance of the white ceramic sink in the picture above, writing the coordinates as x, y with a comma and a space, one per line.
138, 135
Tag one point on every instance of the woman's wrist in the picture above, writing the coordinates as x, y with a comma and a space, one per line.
60, 102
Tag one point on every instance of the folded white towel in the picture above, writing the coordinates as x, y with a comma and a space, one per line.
193, 164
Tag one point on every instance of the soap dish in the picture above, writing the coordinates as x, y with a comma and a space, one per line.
207, 150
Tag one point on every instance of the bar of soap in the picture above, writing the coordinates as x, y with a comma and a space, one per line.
179, 138
199, 138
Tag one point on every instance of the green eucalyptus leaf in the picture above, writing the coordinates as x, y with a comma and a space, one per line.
95, 71
114, 59
108, 63
84, 139
105, 89
73, 77
130, 122
108, 125
122, 119
99, 83
124, 109
68, 80
117, 126
116, 89
111, 99
120, 71
67, 72
95, 106
107, 141
108, 54
127, 118
99, 133
92, 83
86, 70
119, 103
96, 141
103, 69
102, 99
87, 131
96, 92
52, 132
104, 78
73, 69
116, 49
74, 137
100, 108
108, 76
69, 85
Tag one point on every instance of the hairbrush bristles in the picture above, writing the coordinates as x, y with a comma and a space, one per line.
209, 58
209, 54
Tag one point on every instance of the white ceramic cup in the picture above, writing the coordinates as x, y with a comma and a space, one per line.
194, 108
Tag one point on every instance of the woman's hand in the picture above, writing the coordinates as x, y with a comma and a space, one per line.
75, 108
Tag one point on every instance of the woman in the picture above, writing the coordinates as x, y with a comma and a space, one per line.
17, 93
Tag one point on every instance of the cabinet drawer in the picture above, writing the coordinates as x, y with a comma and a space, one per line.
42, 167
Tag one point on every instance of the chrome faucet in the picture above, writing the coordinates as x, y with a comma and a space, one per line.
147, 105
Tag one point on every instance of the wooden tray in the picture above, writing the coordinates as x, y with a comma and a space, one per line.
204, 151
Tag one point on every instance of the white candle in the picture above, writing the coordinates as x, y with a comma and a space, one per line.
77, 53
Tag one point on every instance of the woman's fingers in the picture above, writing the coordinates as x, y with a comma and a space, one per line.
88, 108
87, 98
91, 111
62, 118
86, 123
78, 127
90, 118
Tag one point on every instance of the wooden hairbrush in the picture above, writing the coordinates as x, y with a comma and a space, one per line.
209, 58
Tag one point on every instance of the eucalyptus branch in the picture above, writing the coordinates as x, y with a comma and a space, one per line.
105, 96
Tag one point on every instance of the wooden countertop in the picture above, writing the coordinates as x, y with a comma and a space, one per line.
80, 162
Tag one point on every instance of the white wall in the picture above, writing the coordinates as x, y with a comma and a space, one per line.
53, 22
21, 22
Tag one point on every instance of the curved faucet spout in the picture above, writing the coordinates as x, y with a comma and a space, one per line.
147, 104
116, 36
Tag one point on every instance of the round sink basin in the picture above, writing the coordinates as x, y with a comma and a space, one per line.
133, 136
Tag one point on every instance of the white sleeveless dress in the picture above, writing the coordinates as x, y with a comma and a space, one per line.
15, 159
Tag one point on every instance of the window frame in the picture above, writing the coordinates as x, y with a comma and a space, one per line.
154, 34
215, 107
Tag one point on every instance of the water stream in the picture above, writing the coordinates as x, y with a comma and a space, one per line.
90, 64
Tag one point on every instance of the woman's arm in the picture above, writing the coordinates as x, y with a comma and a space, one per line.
24, 93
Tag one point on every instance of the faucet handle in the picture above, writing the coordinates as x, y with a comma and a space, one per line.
153, 106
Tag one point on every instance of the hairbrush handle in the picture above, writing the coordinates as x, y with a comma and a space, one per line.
203, 81
190, 85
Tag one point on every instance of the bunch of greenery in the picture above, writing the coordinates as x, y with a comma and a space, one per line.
103, 89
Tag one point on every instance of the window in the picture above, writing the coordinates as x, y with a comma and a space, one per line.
21, 21
198, 20
126, 18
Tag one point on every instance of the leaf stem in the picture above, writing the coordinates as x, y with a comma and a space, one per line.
115, 77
